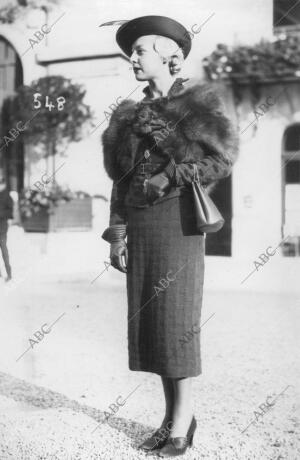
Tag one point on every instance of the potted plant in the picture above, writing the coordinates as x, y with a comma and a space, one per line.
53, 114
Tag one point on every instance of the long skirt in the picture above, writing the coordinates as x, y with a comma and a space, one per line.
165, 287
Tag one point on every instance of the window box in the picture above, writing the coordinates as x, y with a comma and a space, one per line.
73, 215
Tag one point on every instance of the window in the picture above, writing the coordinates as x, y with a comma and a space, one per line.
286, 15
291, 190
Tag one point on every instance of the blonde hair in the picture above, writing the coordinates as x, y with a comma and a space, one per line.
169, 50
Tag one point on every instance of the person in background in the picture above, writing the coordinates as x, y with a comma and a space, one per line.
6, 212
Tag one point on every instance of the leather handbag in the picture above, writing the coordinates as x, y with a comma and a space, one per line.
208, 217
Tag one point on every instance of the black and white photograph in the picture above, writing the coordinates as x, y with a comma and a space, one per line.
149, 229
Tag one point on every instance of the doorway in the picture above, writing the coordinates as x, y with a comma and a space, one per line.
291, 191
11, 77
219, 243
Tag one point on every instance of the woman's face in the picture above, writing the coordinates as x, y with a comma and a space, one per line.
146, 62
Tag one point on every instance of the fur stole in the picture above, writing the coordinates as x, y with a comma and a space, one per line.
190, 117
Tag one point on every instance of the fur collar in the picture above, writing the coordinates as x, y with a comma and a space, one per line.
200, 120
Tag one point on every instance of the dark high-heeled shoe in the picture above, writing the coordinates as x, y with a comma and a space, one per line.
178, 446
156, 441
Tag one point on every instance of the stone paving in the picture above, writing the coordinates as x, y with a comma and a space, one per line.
54, 399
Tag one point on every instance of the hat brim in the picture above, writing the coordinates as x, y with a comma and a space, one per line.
129, 32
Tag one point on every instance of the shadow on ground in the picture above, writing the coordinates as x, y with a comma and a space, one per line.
21, 391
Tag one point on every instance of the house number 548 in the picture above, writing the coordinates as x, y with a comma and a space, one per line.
59, 100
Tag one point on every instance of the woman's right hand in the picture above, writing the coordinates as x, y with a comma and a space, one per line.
156, 186
119, 255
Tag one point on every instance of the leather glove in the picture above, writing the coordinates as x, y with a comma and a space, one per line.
156, 186
115, 235
119, 252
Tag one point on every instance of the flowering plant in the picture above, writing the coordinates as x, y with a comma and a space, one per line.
14, 10
279, 58
32, 201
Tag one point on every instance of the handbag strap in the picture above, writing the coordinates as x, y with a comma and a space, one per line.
196, 173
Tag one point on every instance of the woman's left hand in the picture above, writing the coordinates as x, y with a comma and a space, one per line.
156, 186
148, 122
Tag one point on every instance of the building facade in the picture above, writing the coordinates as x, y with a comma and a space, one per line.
261, 199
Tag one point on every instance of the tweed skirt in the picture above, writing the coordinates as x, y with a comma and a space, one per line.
164, 288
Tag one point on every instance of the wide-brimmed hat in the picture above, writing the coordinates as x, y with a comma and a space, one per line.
153, 25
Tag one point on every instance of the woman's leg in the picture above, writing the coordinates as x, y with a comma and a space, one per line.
170, 399
183, 408
158, 440
5, 256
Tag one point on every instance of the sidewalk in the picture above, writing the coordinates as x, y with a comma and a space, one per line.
80, 254
53, 398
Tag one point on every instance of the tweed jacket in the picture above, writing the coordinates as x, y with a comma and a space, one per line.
186, 127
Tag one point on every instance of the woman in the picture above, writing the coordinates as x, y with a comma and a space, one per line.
150, 151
